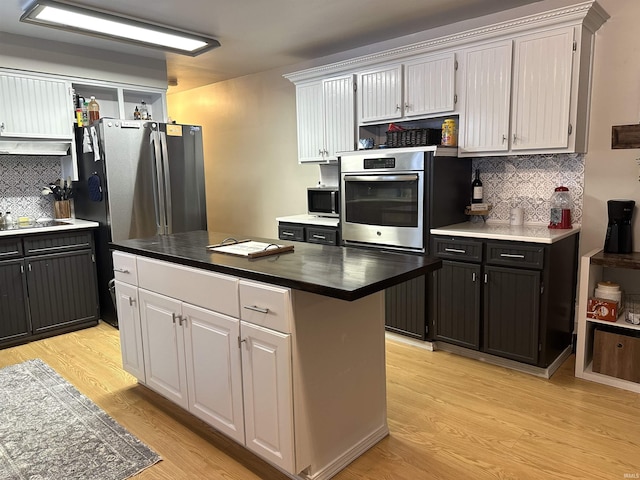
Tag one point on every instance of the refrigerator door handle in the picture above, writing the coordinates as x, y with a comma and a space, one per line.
167, 183
158, 202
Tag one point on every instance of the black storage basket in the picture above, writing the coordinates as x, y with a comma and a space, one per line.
414, 137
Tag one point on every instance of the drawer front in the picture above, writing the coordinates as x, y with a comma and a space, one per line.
125, 268
57, 242
515, 255
291, 232
10, 247
266, 305
198, 287
462, 249
325, 236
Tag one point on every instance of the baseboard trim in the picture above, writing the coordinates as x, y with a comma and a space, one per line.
345, 459
484, 357
424, 344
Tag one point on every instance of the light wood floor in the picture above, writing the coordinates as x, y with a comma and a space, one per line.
450, 418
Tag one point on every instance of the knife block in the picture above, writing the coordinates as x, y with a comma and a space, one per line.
62, 209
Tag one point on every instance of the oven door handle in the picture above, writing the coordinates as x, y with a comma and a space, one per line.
381, 178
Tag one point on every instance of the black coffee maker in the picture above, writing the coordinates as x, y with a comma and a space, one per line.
619, 237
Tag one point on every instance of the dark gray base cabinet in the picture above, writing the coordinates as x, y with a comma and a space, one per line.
514, 300
49, 287
458, 304
302, 232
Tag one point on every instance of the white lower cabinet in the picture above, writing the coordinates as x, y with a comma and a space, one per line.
250, 359
163, 346
130, 329
214, 376
268, 402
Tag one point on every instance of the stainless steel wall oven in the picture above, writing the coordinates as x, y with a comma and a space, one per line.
391, 198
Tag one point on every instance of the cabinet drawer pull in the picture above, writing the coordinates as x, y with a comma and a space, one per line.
455, 250
511, 255
256, 308
121, 270
319, 237
288, 234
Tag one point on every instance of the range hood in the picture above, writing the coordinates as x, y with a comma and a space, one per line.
31, 146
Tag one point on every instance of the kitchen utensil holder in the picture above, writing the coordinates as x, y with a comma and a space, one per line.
62, 209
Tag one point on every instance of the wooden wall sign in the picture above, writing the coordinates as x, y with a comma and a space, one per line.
625, 136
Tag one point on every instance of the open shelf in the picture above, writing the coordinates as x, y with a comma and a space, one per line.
619, 323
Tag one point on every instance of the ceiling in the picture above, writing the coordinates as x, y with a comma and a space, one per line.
258, 35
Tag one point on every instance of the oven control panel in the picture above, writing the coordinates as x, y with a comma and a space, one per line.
377, 163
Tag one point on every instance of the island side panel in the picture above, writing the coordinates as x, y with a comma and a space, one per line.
339, 380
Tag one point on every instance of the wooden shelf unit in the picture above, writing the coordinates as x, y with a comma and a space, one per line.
597, 266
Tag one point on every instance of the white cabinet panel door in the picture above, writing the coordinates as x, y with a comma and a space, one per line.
487, 88
214, 374
542, 90
380, 94
429, 85
163, 345
35, 108
130, 329
339, 116
268, 397
310, 122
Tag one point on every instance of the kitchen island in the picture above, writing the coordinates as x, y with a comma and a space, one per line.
283, 353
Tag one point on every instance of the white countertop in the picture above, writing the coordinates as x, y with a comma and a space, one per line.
69, 224
310, 220
535, 233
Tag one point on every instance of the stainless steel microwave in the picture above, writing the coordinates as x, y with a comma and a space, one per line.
323, 201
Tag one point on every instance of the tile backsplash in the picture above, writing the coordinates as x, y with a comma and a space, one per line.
529, 181
22, 178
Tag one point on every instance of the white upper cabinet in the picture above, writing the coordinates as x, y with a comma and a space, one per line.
380, 94
417, 88
542, 68
487, 92
35, 107
536, 87
429, 85
519, 86
326, 123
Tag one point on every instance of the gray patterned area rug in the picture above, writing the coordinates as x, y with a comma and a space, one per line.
50, 431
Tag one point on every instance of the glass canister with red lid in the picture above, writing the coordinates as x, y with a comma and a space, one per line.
561, 206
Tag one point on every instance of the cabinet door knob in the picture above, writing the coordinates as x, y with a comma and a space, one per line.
504, 138
397, 108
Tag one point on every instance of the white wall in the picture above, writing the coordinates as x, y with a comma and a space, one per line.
250, 149
612, 174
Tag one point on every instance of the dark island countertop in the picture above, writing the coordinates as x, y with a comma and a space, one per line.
346, 273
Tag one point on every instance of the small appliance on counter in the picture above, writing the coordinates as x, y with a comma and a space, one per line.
619, 238
323, 201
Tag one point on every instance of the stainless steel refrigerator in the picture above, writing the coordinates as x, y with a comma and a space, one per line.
137, 179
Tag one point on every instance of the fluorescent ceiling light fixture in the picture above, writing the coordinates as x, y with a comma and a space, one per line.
99, 23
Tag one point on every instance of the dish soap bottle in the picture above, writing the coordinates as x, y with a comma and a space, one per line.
93, 109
